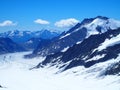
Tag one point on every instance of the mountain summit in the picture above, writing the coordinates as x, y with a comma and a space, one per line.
78, 33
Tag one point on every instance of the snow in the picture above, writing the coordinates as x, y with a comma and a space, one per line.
78, 42
30, 41
65, 49
95, 58
20, 34
91, 27
15, 75
65, 36
11, 33
109, 42
113, 23
104, 24
28, 32
14, 32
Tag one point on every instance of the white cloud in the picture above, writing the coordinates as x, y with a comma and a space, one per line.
66, 22
40, 21
7, 23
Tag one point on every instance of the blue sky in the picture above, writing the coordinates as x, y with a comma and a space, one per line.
23, 14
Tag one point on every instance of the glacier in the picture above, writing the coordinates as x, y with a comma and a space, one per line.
15, 74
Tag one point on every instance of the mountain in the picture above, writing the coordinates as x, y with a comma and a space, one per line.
77, 34
8, 46
0, 86
93, 58
99, 48
23, 36
34, 42
47, 34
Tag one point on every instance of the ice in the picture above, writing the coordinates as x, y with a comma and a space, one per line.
16, 76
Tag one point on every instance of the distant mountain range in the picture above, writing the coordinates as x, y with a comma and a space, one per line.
23, 36
29, 39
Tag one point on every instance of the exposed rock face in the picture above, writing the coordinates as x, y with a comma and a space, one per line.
88, 53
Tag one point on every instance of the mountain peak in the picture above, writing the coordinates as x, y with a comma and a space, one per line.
89, 20
102, 17
81, 31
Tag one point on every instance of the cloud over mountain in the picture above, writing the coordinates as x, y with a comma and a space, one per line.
65, 23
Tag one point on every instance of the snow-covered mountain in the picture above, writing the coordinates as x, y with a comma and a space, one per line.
78, 33
23, 36
87, 57
95, 49
8, 46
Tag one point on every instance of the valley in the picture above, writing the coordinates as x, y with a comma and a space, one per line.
86, 57
15, 75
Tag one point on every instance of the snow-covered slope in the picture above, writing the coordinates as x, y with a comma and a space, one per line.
100, 26
78, 33
109, 42
15, 75
95, 25
91, 51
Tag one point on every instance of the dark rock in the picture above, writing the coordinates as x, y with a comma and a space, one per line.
78, 55
113, 70
8, 46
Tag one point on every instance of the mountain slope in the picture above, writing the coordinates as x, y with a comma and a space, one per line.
15, 75
78, 33
93, 50
32, 43
8, 46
